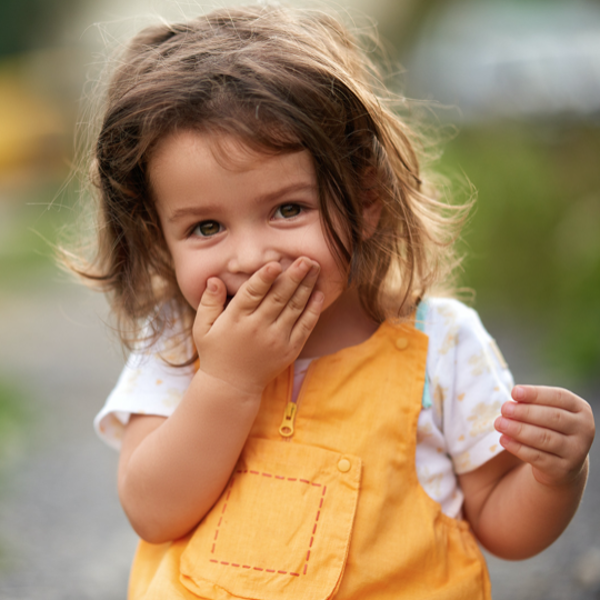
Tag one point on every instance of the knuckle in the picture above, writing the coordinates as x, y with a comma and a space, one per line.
544, 438
252, 292
557, 419
278, 298
536, 457
296, 304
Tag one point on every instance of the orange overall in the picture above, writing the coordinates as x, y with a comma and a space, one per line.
334, 509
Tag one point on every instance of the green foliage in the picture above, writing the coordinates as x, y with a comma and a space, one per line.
30, 24
28, 233
13, 416
533, 245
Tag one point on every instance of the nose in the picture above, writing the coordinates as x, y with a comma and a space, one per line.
249, 251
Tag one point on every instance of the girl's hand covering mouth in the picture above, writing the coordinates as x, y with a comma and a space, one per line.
248, 339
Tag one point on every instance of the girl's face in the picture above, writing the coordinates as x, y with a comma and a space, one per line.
227, 210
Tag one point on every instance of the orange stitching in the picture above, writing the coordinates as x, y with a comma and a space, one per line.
311, 539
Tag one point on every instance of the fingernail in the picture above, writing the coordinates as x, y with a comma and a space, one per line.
501, 424
518, 393
508, 408
212, 286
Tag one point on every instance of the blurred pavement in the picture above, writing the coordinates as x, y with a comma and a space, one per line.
62, 533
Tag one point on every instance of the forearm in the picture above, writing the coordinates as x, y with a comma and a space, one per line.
521, 517
176, 473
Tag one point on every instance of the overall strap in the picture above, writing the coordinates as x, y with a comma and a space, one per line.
420, 318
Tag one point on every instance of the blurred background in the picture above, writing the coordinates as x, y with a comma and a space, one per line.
513, 89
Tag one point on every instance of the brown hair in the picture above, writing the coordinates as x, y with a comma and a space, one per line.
281, 80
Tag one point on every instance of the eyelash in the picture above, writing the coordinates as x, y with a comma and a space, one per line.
296, 206
196, 228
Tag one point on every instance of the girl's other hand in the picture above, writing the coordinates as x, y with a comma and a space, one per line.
550, 428
264, 327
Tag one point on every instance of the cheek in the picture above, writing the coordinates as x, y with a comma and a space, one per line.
191, 281
334, 277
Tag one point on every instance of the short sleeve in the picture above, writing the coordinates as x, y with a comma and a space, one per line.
469, 382
148, 385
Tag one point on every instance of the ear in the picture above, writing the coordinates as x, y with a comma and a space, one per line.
371, 207
371, 214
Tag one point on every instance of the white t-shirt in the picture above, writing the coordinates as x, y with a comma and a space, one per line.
468, 383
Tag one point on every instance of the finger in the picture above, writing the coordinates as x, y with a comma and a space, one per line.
285, 287
549, 417
546, 462
253, 292
548, 396
300, 296
308, 319
538, 438
211, 306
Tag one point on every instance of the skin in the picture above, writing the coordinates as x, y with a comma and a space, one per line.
251, 257
522, 500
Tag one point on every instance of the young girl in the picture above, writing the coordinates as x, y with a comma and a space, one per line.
301, 417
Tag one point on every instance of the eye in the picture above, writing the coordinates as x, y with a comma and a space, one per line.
207, 229
287, 211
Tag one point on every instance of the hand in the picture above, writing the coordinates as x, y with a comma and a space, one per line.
550, 428
264, 327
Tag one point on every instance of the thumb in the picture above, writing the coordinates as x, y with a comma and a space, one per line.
210, 307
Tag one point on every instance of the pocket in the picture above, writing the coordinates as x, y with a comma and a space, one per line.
281, 528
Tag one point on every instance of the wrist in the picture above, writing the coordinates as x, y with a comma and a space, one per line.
575, 479
222, 386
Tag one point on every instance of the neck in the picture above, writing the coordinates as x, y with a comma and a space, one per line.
345, 323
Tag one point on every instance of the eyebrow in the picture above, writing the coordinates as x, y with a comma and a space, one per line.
205, 209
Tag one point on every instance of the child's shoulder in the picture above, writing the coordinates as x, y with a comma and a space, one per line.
456, 331
443, 315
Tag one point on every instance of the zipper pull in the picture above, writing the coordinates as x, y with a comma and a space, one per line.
286, 428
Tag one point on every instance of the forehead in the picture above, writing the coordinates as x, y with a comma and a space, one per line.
188, 164
229, 152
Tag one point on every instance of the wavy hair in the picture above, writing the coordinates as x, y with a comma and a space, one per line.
280, 80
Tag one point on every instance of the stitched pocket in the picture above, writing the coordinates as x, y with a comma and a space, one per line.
281, 527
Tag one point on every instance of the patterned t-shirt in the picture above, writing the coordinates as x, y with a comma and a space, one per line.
468, 383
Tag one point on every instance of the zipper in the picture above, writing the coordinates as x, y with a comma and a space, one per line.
286, 429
